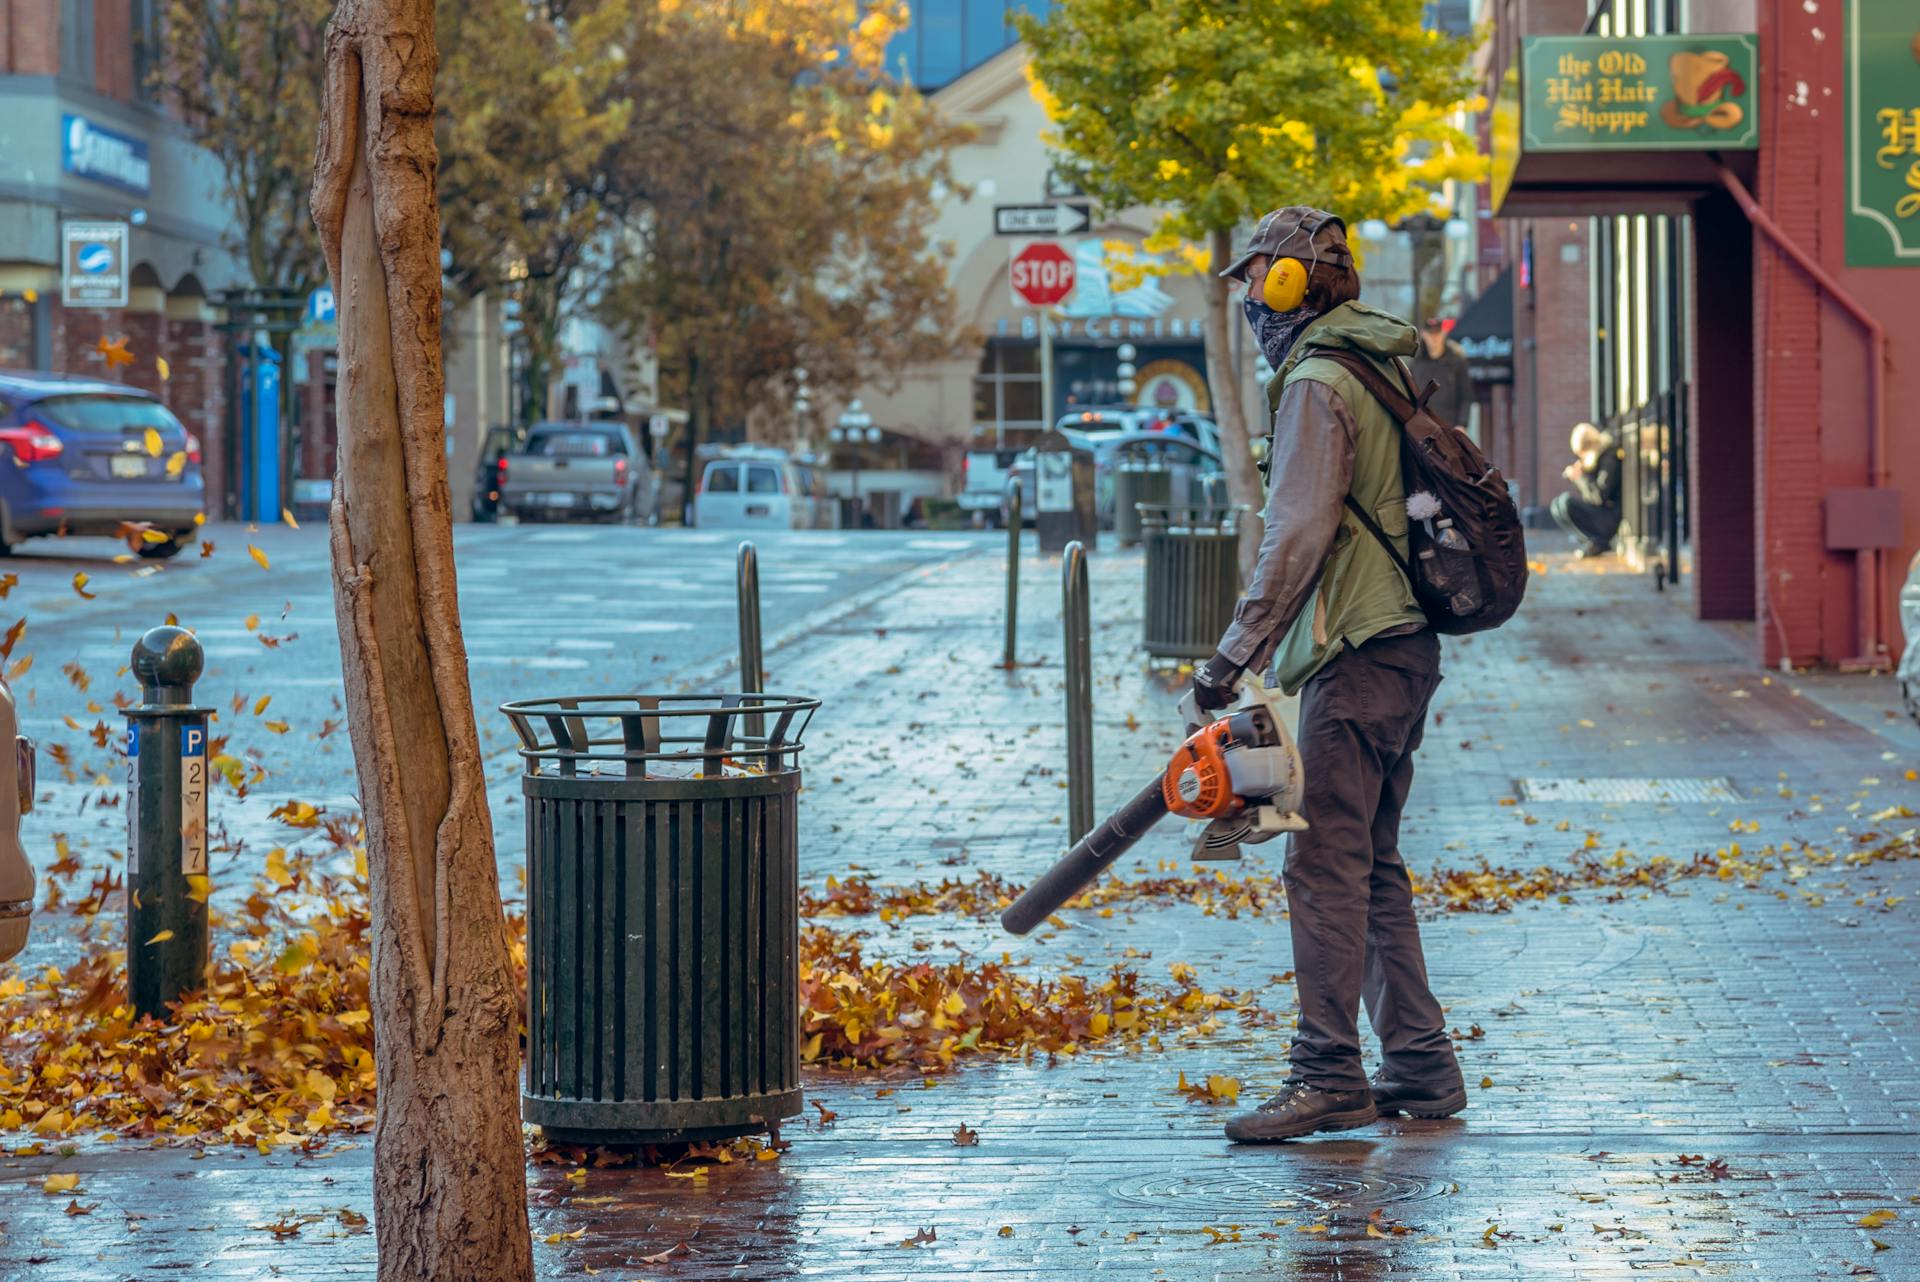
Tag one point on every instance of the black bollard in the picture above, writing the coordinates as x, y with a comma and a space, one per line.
1013, 570
1074, 619
167, 768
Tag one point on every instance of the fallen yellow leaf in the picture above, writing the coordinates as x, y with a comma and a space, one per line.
61, 1183
165, 370
553, 1239
287, 516
161, 938
176, 463
80, 580
260, 558
153, 443
1874, 1219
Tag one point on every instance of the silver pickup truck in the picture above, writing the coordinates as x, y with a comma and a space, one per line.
570, 471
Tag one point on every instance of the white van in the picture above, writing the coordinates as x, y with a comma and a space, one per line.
761, 491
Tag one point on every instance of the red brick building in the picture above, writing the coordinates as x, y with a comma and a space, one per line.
1705, 206
87, 138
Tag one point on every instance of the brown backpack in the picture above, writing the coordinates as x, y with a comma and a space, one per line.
1469, 562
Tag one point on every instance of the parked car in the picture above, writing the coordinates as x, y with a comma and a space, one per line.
568, 470
752, 486
489, 469
83, 461
1190, 463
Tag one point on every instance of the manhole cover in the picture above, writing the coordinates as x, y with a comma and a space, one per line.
1248, 1187
1629, 790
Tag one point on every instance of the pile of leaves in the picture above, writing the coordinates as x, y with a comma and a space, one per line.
1215, 893
279, 1050
869, 1014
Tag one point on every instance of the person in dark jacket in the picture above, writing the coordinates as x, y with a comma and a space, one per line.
1441, 360
1590, 512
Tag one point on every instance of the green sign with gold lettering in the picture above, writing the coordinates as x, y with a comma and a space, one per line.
1639, 93
1883, 133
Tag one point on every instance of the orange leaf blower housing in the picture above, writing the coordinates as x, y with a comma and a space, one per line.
1196, 784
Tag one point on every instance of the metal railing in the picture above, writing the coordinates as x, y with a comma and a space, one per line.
1013, 571
1077, 628
753, 675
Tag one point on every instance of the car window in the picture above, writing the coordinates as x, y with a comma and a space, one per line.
762, 479
723, 478
104, 414
571, 444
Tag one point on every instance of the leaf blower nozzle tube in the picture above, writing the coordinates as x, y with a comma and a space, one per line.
1092, 855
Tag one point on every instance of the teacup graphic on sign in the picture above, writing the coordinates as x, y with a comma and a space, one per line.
1704, 90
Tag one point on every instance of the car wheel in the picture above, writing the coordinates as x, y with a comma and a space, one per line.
162, 551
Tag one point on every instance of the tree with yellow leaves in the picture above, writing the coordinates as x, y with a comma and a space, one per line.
781, 205
1220, 110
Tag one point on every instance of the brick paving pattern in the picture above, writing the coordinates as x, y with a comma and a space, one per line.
1765, 1035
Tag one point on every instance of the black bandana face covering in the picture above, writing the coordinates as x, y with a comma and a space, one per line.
1276, 332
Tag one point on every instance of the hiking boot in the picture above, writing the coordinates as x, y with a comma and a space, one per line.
1391, 1097
1300, 1109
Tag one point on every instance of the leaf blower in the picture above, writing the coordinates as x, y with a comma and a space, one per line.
1240, 772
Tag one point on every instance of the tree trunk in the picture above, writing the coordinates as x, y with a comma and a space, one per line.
449, 1171
1223, 384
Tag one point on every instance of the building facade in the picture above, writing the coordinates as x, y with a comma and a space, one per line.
1720, 192
88, 141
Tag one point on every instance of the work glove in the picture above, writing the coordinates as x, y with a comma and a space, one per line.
1213, 683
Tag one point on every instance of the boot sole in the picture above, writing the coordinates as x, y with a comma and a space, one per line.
1425, 1110
1331, 1122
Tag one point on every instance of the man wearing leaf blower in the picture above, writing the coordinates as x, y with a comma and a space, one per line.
1330, 609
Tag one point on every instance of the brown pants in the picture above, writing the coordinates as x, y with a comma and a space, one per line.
1348, 895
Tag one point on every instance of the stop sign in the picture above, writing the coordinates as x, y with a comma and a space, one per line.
1042, 274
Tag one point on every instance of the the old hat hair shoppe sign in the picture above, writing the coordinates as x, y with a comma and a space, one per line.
1883, 133
1639, 93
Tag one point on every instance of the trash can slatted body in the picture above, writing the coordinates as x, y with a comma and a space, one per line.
663, 953
1192, 578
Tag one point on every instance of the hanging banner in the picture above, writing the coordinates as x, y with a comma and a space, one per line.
1883, 133
1639, 93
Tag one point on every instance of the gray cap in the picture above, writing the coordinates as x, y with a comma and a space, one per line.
1296, 231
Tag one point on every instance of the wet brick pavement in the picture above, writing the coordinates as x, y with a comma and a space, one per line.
1770, 1030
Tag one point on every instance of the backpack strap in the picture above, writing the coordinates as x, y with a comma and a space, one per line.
1373, 528
1401, 402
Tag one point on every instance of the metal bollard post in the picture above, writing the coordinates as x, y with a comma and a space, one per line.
1077, 626
752, 663
166, 824
1013, 571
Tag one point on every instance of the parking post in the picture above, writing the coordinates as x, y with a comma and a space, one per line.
1078, 631
1013, 569
752, 663
167, 769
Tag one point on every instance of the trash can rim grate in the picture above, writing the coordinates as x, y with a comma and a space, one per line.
640, 731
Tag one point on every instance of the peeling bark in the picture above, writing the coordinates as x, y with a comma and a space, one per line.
449, 1171
1243, 479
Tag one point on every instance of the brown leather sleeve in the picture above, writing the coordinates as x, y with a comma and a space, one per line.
1313, 448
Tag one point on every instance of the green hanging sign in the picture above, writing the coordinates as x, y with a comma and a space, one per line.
1883, 133
1639, 93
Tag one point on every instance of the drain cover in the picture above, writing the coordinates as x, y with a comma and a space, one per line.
1272, 1189
1628, 790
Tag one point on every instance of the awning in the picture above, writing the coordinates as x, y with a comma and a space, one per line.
1485, 332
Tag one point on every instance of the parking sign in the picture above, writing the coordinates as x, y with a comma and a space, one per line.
93, 264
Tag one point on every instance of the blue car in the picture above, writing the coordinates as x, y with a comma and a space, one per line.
76, 458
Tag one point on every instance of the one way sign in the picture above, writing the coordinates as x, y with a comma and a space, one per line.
1040, 220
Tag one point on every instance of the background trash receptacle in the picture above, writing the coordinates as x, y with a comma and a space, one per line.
1137, 481
1192, 577
663, 968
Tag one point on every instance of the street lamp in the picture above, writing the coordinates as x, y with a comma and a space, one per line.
854, 427
1125, 371
801, 405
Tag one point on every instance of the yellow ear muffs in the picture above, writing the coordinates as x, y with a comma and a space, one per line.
1286, 285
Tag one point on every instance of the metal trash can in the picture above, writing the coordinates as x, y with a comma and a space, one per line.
1192, 577
1137, 481
663, 966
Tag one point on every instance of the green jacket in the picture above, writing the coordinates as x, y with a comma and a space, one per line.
1322, 581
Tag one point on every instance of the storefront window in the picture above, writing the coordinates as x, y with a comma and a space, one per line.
1006, 391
